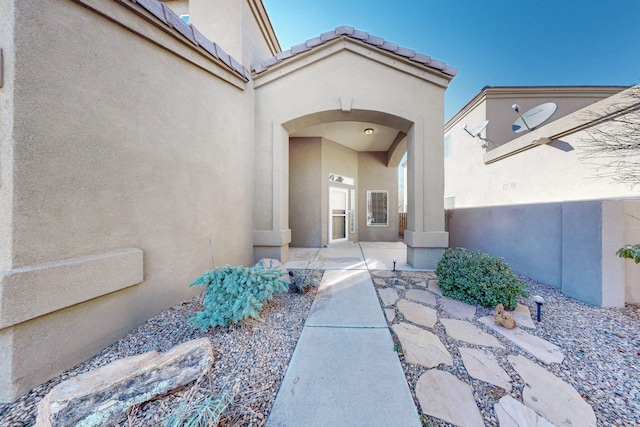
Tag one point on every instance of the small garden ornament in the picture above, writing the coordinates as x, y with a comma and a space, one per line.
502, 318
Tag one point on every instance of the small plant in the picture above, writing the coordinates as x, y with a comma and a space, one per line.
478, 278
630, 252
236, 293
204, 413
304, 280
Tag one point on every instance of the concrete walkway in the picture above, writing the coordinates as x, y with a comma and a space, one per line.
344, 371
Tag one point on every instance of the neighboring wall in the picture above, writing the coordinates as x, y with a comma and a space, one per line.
569, 245
132, 172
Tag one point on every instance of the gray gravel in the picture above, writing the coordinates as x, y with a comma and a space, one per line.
250, 358
601, 345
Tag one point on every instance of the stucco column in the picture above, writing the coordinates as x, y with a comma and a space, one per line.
272, 235
425, 236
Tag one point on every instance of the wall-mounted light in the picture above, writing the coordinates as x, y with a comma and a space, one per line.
368, 131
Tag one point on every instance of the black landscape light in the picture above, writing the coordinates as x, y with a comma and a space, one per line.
539, 301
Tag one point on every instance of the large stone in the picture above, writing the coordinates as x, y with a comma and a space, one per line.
101, 397
389, 296
458, 309
512, 413
421, 296
462, 330
433, 287
522, 315
443, 396
551, 397
483, 366
538, 347
390, 314
417, 313
421, 347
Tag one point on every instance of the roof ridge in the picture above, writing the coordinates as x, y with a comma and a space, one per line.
347, 31
168, 17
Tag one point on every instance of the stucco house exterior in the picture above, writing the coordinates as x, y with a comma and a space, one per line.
536, 198
138, 150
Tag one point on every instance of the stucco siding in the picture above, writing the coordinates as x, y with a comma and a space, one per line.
305, 192
376, 176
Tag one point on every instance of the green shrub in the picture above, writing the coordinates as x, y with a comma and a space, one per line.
478, 278
630, 252
236, 293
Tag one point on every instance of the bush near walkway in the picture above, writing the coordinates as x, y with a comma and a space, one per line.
478, 278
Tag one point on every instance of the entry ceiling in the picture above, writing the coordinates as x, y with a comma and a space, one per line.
351, 135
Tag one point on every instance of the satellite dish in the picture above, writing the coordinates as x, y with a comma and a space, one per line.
534, 117
476, 130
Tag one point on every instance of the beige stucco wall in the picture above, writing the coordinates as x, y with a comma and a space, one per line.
545, 173
303, 92
305, 192
376, 176
117, 143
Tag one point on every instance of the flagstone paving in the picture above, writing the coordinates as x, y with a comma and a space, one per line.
537, 347
417, 313
421, 347
457, 308
444, 396
482, 366
462, 330
421, 296
547, 400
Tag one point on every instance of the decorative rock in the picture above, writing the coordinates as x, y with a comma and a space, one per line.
421, 296
390, 314
421, 347
538, 347
503, 318
443, 396
482, 366
522, 315
389, 296
102, 396
512, 413
433, 287
462, 330
551, 397
458, 309
417, 313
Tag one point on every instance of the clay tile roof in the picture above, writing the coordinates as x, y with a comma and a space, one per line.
350, 32
169, 18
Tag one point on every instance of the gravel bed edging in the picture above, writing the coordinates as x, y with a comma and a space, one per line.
251, 358
601, 348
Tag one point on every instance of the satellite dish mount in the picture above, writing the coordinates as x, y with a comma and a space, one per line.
534, 117
475, 133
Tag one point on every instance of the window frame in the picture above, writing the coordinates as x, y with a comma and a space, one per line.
370, 222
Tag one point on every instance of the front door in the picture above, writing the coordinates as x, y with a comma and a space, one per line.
337, 214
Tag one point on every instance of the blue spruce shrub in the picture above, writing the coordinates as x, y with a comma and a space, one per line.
478, 278
236, 293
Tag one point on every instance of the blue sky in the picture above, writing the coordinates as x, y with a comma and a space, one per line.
492, 42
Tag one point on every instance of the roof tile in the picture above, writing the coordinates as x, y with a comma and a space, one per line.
406, 52
329, 35
360, 35
236, 65
391, 47
423, 59
314, 42
284, 55
224, 56
177, 23
344, 30
450, 70
204, 42
376, 41
156, 8
299, 48
439, 65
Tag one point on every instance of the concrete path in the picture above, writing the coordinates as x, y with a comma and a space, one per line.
344, 370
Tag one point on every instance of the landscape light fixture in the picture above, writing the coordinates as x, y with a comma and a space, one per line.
368, 131
394, 265
539, 300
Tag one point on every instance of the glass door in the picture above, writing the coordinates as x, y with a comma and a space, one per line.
337, 214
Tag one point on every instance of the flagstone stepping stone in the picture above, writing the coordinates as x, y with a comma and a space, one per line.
389, 296
462, 330
379, 282
433, 287
390, 314
421, 347
536, 346
458, 309
421, 296
444, 396
482, 365
551, 397
416, 274
417, 313
384, 273
401, 288
512, 413
421, 284
522, 316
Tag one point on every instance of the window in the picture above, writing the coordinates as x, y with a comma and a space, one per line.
377, 208
447, 145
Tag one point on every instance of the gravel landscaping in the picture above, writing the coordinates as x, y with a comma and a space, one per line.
601, 345
250, 359
601, 348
